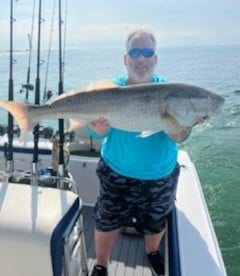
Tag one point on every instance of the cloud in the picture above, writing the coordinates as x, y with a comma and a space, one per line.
91, 22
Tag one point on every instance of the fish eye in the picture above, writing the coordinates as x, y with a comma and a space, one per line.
210, 96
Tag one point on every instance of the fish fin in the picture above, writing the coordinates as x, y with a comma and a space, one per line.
75, 124
93, 86
66, 94
170, 124
20, 113
147, 133
103, 84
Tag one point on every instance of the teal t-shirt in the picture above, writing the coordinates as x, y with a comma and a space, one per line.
130, 155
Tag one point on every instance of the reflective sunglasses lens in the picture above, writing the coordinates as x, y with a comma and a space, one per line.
147, 52
134, 53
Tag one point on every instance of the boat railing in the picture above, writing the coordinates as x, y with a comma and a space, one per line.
46, 179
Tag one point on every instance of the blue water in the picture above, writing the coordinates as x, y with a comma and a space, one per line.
213, 146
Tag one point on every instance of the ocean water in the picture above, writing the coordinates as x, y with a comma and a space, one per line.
213, 146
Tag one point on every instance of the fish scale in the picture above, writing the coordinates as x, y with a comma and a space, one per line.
145, 107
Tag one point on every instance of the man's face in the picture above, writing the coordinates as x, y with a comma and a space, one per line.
140, 69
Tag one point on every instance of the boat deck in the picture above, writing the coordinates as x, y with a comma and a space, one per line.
128, 256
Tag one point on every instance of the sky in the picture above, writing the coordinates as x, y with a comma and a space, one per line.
105, 22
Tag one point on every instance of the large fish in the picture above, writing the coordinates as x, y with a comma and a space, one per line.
146, 108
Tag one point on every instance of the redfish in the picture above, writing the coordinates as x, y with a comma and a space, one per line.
146, 108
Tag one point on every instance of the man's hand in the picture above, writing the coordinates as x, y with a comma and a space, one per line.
185, 132
200, 120
100, 126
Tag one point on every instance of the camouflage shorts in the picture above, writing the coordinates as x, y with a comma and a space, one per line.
125, 201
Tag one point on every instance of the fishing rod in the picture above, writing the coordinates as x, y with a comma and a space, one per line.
9, 146
27, 86
47, 94
61, 167
37, 93
65, 32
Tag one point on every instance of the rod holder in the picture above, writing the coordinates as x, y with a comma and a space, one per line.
9, 166
34, 181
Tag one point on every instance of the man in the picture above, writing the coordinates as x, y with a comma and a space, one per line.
138, 176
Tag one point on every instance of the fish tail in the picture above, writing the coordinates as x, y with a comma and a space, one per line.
20, 113
75, 124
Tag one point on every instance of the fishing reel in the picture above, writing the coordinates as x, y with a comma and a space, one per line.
5, 130
45, 132
26, 87
48, 133
68, 136
48, 95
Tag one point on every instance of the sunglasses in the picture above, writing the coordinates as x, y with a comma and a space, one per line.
136, 52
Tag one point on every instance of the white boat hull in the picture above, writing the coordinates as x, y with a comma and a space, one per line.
198, 249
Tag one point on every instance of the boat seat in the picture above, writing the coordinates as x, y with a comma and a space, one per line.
40, 231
